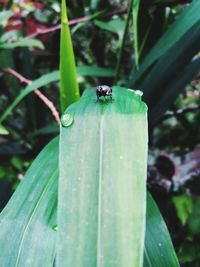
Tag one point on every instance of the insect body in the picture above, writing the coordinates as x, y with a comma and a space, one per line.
103, 90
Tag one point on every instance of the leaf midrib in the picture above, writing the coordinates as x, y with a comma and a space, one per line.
101, 140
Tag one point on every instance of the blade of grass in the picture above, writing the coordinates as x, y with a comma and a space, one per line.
174, 88
119, 61
69, 90
189, 17
136, 6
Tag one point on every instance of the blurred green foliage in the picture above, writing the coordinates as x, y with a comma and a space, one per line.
99, 37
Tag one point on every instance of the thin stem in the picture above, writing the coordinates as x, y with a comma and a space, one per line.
45, 100
117, 71
177, 113
74, 22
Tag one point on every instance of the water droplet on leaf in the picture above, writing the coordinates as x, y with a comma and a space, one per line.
138, 92
67, 120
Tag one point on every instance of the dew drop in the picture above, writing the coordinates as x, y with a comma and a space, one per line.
159, 244
121, 157
67, 120
138, 92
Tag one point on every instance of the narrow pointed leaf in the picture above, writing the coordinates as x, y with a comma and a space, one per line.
158, 250
27, 237
189, 17
69, 91
102, 198
136, 6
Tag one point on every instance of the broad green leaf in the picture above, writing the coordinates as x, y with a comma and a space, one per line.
42, 81
69, 91
27, 234
28, 225
102, 196
189, 17
4, 16
158, 250
94, 71
25, 42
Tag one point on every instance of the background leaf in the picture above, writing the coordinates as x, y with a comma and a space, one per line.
5, 15
25, 42
158, 246
189, 17
94, 71
31, 212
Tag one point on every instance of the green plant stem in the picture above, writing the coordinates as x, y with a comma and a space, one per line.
123, 42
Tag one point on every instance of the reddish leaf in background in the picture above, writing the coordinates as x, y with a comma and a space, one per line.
32, 26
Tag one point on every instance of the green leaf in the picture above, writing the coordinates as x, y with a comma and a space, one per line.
69, 90
114, 26
159, 251
136, 6
189, 17
47, 130
101, 208
194, 222
25, 42
27, 237
123, 41
104, 26
173, 89
94, 71
4, 16
183, 205
42, 81
31, 212
3, 130
171, 73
